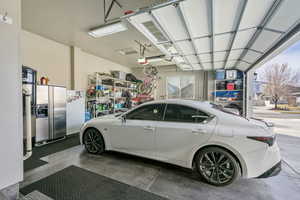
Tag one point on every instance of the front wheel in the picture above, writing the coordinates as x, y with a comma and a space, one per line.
217, 166
93, 141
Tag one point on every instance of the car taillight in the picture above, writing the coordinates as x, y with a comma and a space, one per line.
268, 140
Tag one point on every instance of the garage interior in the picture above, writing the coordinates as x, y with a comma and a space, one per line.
87, 59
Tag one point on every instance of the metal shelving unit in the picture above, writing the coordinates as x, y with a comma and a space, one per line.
227, 96
108, 97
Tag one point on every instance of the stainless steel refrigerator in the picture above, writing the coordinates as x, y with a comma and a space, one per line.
51, 113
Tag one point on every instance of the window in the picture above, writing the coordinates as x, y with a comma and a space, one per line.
179, 113
151, 112
181, 87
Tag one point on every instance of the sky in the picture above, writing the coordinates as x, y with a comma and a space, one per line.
291, 56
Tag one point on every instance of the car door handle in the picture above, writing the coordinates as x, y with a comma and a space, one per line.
149, 128
196, 131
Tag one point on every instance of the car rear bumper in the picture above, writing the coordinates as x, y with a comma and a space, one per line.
275, 170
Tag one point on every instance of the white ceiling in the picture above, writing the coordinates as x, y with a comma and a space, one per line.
218, 34
230, 34
68, 21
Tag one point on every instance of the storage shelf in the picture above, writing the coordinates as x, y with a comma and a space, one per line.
229, 79
114, 86
229, 90
235, 101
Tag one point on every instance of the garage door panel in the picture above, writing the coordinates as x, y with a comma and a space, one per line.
265, 40
230, 64
219, 65
193, 10
242, 38
175, 30
287, 15
192, 59
185, 47
251, 56
221, 42
225, 15
203, 45
255, 12
205, 57
219, 56
235, 54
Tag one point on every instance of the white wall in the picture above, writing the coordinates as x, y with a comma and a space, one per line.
86, 64
56, 61
11, 142
48, 57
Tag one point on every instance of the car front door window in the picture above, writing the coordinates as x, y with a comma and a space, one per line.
151, 112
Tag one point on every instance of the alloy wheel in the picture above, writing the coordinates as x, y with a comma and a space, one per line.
216, 167
93, 141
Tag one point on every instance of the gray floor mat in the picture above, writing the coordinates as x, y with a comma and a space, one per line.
74, 183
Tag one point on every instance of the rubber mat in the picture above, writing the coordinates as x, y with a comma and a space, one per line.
39, 152
74, 183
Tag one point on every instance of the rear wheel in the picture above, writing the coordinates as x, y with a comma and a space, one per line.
217, 166
93, 141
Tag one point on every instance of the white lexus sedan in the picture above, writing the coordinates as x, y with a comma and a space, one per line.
219, 145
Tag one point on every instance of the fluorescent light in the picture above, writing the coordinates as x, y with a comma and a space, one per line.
108, 29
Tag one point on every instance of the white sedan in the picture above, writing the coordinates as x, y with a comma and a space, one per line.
201, 136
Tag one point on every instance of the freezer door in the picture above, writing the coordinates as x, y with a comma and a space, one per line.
42, 121
59, 112
42, 95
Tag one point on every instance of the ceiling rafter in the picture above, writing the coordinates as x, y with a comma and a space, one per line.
182, 18
107, 12
236, 28
264, 22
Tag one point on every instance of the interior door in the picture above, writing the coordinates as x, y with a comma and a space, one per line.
183, 129
136, 133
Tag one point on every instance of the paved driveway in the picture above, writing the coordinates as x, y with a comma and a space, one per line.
287, 126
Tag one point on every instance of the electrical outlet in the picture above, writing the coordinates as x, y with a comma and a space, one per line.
5, 19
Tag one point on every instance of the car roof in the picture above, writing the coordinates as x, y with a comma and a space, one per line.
203, 105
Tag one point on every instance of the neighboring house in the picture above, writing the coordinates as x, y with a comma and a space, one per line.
259, 94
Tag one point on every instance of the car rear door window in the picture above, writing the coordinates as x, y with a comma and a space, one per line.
153, 112
180, 113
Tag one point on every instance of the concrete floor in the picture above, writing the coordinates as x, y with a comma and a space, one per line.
170, 181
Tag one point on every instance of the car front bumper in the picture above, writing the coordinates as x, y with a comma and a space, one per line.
275, 170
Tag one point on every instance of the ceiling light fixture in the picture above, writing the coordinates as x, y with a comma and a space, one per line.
108, 29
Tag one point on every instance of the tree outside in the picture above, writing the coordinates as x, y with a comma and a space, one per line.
280, 79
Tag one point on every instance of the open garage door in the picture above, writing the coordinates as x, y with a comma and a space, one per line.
215, 34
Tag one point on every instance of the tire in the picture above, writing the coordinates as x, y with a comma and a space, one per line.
217, 166
93, 141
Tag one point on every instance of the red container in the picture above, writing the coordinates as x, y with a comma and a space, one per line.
230, 86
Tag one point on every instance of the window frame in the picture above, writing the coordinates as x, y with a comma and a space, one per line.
180, 88
163, 105
210, 116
